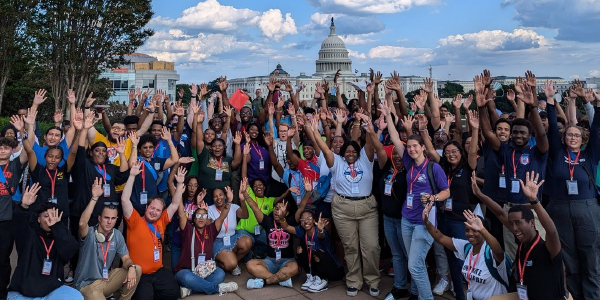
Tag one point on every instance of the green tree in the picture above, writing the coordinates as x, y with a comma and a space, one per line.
187, 95
450, 90
76, 38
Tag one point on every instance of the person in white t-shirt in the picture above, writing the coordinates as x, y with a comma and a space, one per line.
354, 207
478, 251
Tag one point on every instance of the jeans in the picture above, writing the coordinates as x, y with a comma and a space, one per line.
259, 243
417, 241
197, 284
578, 225
455, 229
6, 247
393, 234
175, 252
61, 293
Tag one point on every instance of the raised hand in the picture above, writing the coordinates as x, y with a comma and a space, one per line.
89, 101
180, 176
467, 102
474, 186
229, 193
194, 89
30, 118
473, 221
243, 187
549, 89
337, 75
527, 95
531, 186
268, 139
78, 119
589, 96
422, 122
227, 111
200, 116
282, 205
200, 199
223, 84
58, 116
247, 137
121, 145
179, 111
308, 187
186, 160
486, 77
420, 102
166, 134
577, 88
238, 138
530, 78
457, 101
381, 124
518, 83
71, 96
377, 79
54, 216
510, 95
30, 194
246, 150
40, 97
474, 120
203, 90
426, 210
428, 85
17, 121
408, 122
180, 93
97, 190
321, 223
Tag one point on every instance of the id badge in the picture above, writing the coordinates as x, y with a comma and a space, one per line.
388, 188
201, 258
106, 190
355, 188
47, 267
449, 204
515, 186
261, 164
502, 181
227, 240
315, 183
53, 200
156, 255
256, 229
218, 175
298, 198
409, 201
143, 197
157, 166
522, 292
469, 295
572, 187
277, 255
105, 273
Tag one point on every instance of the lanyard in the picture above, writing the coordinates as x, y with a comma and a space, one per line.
156, 148
309, 248
200, 241
352, 170
502, 169
417, 175
522, 268
225, 222
143, 176
257, 150
48, 249
277, 233
294, 179
103, 174
53, 181
471, 267
395, 172
514, 163
104, 254
220, 161
5, 167
450, 180
153, 234
572, 166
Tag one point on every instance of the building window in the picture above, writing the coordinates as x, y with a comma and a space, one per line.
148, 83
171, 84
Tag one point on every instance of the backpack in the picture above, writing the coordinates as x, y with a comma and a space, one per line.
490, 264
319, 193
440, 207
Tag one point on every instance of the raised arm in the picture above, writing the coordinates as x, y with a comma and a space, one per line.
199, 118
180, 178
488, 202
289, 150
237, 151
246, 160
18, 123
422, 121
439, 237
327, 153
126, 195
473, 147
382, 157
394, 137
166, 136
274, 162
308, 190
77, 125
530, 98
474, 223
484, 121
85, 216
457, 103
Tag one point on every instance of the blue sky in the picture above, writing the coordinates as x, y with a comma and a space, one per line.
458, 39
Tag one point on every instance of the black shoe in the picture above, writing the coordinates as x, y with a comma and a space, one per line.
413, 297
400, 293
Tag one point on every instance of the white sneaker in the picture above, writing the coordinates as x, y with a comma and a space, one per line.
225, 288
442, 286
286, 283
318, 285
69, 278
309, 281
184, 292
237, 271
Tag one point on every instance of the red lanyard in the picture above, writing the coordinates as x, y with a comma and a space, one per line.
395, 170
200, 241
470, 268
53, 181
572, 166
417, 175
514, 163
48, 249
225, 223
352, 170
154, 238
220, 161
104, 174
277, 233
450, 180
143, 176
104, 254
502, 169
522, 268
309, 248
257, 150
295, 181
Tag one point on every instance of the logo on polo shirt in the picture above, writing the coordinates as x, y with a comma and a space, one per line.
524, 160
357, 178
529, 263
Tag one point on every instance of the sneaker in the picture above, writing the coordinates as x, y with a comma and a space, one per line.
390, 272
69, 278
389, 297
255, 283
374, 292
309, 281
286, 283
400, 293
184, 292
225, 288
351, 291
237, 271
318, 285
442, 286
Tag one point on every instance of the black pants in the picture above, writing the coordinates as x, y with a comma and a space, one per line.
322, 263
160, 285
497, 228
6, 246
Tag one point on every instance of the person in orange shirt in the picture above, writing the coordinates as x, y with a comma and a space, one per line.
145, 236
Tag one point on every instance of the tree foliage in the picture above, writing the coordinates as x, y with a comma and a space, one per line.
450, 90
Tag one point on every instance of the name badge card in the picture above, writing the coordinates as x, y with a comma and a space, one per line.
201, 258
143, 197
156, 255
256, 229
219, 175
105, 273
502, 181
572, 188
409, 201
387, 190
449, 204
227, 240
522, 292
515, 186
47, 267
261, 164
277, 255
106, 190
355, 188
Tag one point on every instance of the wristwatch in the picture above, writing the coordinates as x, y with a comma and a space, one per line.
534, 202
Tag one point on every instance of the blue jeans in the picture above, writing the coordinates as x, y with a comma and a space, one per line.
197, 284
273, 266
417, 241
175, 252
393, 234
260, 243
63, 292
454, 229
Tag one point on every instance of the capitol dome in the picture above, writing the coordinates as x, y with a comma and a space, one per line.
333, 56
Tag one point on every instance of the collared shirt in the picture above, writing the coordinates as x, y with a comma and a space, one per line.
527, 159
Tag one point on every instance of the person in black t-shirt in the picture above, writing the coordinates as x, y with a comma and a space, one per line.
538, 263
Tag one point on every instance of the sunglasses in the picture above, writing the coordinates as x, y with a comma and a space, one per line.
111, 203
201, 216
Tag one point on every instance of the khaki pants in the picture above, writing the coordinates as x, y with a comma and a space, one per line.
357, 224
510, 246
514, 296
100, 289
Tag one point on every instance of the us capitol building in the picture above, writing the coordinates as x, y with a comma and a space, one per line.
333, 56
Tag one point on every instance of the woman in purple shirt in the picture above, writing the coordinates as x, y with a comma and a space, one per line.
259, 166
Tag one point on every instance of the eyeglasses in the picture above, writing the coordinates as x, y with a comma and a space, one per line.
117, 129
201, 216
450, 152
111, 203
193, 185
245, 113
309, 219
574, 135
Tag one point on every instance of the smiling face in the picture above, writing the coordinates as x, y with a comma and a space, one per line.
452, 154
573, 138
503, 131
522, 229
44, 219
443, 112
116, 131
336, 144
156, 131
132, 128
350, 154
253, 132
473, 236
154, 209
53, 137
308, 151
415, 150
10, 134
217, 148
147, 150
5, 152
219, 198
307, 221
216, 124
440, 138
99, 155
53, 158
520, 135
245, 114
201, 222
259, 188
209, 136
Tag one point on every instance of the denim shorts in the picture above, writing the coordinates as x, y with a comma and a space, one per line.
218, 245
273, 265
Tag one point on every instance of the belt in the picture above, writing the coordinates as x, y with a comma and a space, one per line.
354, 198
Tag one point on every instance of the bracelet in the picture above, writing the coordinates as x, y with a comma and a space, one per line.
534, 202
131, 265
322, 231
94, 199
283, 221
421, 111
293, 116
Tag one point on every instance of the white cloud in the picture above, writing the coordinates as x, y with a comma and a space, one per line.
274, 26
574, 76
410, 56
595, 73
357, 39
495, 40
368, 6
289, 46
345, 25
356, 54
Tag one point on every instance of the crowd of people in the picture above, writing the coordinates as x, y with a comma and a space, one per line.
506, 204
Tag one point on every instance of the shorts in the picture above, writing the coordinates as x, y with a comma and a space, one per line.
323, 208
273, 265
218, 245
